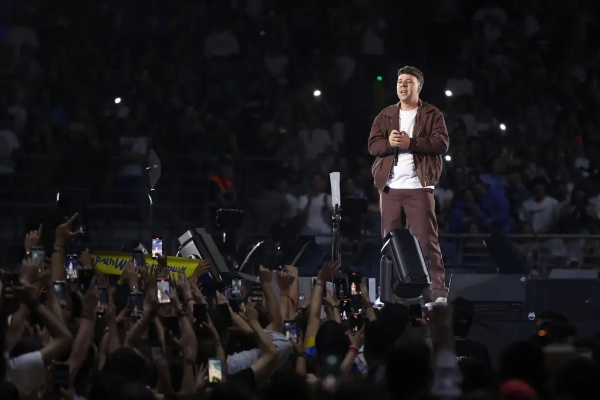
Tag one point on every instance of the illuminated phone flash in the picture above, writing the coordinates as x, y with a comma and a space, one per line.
448, 93
448, 158
502, 127
317, 93
117, 100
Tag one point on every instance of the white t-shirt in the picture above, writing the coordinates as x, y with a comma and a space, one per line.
316, 223
27, 372
404, 175
240, 361
540, 214
315, 142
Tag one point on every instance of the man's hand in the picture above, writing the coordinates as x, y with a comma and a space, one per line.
33, 238
86, 259
399, 139
265, 275
64, 235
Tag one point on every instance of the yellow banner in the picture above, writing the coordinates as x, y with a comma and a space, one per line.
113, 263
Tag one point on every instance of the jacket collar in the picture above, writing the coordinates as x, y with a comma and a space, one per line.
393, 110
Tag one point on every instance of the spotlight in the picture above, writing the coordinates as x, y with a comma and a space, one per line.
317, 93
448, 158
502, 127
117, 100
448, 93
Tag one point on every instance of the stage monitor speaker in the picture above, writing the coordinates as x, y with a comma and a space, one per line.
198, 243
403, 267
494, 297
577, 299
574, 274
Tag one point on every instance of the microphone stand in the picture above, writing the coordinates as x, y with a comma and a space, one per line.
396, 155
336, 220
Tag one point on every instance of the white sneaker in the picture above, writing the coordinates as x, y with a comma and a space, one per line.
440, 301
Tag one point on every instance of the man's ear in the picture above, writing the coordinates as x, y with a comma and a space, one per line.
420, 87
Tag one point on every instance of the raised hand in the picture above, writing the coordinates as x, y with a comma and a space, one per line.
249, 312
86, 259
265, 275
328, 270
202, 269
64, 235
284, 280
33, 238
162, 269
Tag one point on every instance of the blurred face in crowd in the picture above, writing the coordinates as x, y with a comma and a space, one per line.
408, 88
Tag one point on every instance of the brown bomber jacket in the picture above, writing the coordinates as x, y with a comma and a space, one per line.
429, 143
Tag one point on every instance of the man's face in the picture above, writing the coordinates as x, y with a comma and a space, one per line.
408, 88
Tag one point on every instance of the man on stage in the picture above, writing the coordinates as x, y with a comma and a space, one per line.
418, 131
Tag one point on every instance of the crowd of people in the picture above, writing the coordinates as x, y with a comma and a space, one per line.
85, 335
250, 104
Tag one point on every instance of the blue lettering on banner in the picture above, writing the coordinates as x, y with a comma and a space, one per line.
120, 263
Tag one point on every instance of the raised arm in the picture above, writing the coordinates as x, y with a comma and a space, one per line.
268, 357
316, 299
85, 333
266, 281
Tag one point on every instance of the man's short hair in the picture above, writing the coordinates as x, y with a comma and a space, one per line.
414, 72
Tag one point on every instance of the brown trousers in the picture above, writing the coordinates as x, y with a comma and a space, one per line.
419, 208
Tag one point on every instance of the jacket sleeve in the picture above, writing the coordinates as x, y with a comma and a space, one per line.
379, 145
437, 142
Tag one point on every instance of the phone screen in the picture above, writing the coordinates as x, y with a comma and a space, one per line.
157, 247
291, 330
138, 257
102, 299
85, 279
355, 281
136, 305
156, 353
341, 289
162, 286
356, 322
214, 370
201, 313
38, 254
71, 266
236, 287
61, 374
60, 287
256, 294
345, 309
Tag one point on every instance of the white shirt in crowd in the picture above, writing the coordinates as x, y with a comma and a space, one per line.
8, 143
316, 223
315, 142
459, 86
221, 44
242, 360
540, 215
26, 372
404, 175
134, 146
